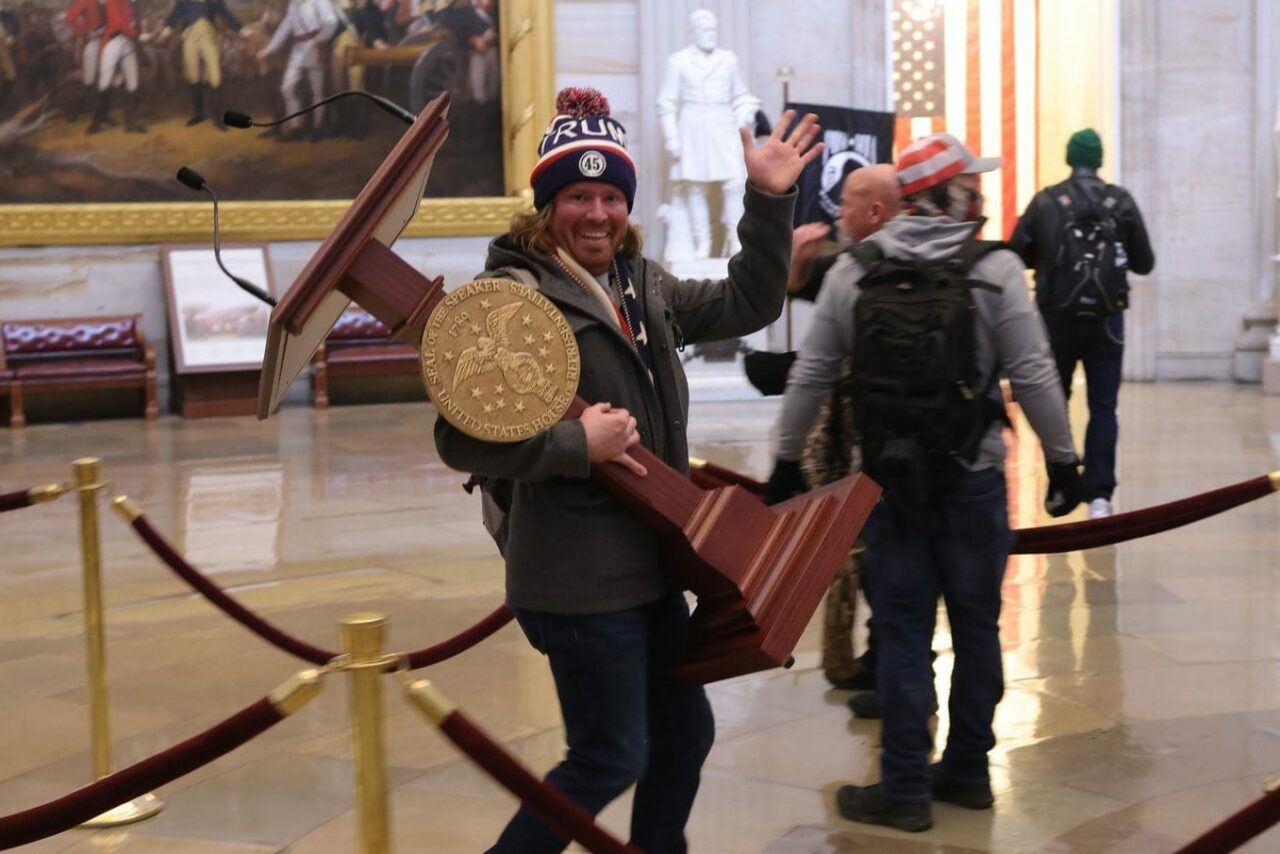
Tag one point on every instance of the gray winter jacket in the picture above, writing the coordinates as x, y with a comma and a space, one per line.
571, 548
1011, 340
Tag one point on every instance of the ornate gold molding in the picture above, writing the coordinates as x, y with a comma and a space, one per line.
527, 82
42, 225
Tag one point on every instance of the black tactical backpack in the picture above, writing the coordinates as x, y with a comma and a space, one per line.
1088, 275
919, 400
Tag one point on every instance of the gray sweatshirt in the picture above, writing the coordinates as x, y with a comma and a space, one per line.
1010, 336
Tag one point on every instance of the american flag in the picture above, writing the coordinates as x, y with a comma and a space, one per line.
969, 67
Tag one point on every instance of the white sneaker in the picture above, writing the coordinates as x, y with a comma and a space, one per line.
1100, 508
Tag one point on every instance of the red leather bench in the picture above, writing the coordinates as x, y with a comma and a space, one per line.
359, 345
75, 354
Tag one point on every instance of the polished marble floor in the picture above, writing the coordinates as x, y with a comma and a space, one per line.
1143, 698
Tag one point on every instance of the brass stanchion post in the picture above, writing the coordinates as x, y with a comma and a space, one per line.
88, 479
363, 636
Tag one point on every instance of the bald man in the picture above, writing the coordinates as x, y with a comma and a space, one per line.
868, 199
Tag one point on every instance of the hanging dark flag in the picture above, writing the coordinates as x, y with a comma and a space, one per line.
852, 138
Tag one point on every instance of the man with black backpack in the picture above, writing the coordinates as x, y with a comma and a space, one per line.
932, 317
1081, 237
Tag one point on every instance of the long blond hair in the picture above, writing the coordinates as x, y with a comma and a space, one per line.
531, 231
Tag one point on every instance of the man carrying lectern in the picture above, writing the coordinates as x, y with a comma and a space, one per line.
584, 575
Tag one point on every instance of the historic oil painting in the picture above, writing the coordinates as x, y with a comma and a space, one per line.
102, 100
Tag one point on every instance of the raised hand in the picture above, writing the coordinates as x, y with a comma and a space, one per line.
775, 166
807, 239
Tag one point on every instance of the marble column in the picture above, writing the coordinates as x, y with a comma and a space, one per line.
1259, 321
1138, 116
1189, 133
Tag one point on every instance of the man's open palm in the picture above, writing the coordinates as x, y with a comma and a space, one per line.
775, 166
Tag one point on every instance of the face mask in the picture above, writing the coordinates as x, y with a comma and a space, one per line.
949, 200
963, 204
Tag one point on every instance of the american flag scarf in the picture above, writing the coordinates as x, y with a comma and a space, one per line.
632, 312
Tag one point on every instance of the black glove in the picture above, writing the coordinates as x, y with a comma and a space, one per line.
768, 371
785, 482
1066, 489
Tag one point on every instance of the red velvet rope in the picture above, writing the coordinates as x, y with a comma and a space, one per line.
1051, 539
14, 500
1238, 828
545, 801
224, 602
462, 641
125, 785
1075, 536
280, 639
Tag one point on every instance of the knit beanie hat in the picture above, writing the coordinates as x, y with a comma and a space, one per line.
1085, 149
582, 143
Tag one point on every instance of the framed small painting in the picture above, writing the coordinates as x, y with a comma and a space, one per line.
214, 326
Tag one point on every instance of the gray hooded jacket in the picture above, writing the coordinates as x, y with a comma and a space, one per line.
1010, 338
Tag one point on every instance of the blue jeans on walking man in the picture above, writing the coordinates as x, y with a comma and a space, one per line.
1099, 344
962, 557
626, 721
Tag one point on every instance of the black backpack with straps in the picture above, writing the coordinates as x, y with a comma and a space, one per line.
1088, 275
919, 400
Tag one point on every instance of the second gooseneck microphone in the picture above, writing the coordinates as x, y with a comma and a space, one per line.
195, 181
237, 119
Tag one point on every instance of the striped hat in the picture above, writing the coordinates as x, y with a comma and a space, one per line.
582, 143
938, 157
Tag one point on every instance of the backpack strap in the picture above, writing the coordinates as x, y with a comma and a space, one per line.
867, 254
974, 250
1085, 202
1109, 195
1072, 202
970, 253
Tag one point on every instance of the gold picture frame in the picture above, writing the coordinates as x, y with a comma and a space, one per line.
528, 83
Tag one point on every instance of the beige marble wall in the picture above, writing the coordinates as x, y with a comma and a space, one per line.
1190, 152
836, 49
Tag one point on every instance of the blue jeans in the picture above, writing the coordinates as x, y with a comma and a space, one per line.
1099, 344
963, 558
626, 721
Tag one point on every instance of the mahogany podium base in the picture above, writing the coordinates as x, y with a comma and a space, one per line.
224, 393
758, 626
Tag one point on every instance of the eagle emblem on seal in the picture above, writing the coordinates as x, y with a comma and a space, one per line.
492, 351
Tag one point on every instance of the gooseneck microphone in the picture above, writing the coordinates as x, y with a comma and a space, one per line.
242, 120
195, 181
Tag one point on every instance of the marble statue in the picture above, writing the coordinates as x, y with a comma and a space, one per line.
702, 103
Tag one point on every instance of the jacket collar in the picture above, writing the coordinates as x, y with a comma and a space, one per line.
555, 285
587, 282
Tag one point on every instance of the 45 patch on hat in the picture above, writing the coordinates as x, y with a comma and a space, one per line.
582, 143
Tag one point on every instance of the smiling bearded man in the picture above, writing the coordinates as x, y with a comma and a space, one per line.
584, 576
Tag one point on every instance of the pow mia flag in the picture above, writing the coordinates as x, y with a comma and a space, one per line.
852, 138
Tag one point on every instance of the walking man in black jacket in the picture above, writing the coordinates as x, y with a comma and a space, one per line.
1080, 237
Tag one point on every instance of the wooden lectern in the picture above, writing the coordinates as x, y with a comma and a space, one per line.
759, 572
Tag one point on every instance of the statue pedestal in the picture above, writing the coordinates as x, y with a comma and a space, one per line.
715, 370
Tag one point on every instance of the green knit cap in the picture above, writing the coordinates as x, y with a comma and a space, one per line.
1085, 149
